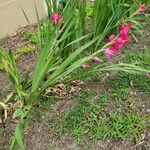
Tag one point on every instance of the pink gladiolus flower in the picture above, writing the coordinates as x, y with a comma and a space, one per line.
142, 8
96, 59
118, 43
55, 17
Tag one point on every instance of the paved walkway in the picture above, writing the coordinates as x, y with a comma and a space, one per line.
11, 16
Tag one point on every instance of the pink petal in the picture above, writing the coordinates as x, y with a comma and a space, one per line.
124, 29
111, 37
117, 45
109, 53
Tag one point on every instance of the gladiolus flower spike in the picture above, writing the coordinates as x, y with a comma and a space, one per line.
117, 43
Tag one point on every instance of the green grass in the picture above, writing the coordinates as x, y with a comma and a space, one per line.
111, 114
119, 87
122, 82
96, 122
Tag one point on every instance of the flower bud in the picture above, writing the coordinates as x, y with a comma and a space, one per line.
148, 75
96, 59
85, 66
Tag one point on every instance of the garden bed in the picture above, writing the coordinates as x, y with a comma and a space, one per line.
41, 133
108, 111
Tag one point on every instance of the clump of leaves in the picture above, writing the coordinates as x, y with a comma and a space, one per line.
20, 51
89, 10
24, 50
32, 37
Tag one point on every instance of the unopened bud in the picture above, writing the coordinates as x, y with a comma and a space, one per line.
96, 59
148, 75
85, 66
